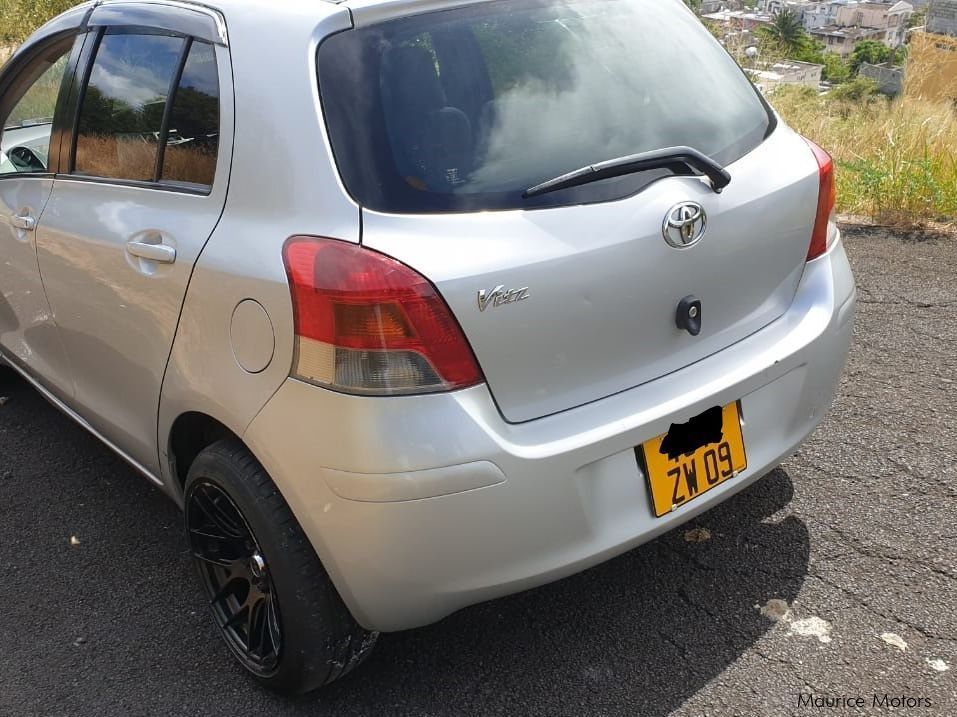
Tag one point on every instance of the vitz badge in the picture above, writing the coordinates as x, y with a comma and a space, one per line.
499, 296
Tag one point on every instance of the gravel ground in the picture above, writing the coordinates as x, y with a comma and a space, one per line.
835, 575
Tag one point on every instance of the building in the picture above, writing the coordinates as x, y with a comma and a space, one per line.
890, 16
883, 16
710, 6
737, 20
843, 40
932, 63
898, 20
888, 76
820, 14
862, 14
737, 27
798, 7
942, 18
787, 72
812, 13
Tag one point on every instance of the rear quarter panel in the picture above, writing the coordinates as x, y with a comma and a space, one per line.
282, 182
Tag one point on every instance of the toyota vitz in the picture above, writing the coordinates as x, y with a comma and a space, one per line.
411, 304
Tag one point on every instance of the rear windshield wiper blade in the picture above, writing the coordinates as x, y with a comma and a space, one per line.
678, 159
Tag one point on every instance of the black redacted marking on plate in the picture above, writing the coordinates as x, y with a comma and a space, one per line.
686, 438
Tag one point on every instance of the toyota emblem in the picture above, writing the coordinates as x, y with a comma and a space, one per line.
685, 224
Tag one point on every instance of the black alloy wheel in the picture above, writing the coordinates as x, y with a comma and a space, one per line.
276, 606
236, 574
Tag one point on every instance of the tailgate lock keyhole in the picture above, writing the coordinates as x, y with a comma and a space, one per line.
688, 317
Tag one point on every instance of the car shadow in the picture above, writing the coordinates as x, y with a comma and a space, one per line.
637, 635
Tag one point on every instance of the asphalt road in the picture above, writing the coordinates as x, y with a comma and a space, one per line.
856, 534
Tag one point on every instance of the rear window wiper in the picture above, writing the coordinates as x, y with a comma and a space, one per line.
678, 159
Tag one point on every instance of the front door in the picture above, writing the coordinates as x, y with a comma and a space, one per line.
28, 335
145, 187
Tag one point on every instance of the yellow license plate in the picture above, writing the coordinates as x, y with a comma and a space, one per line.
694, 457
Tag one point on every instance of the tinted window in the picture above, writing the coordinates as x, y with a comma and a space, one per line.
122, 113
193, 142
465, 109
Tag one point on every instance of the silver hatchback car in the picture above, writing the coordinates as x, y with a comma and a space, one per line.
411, 304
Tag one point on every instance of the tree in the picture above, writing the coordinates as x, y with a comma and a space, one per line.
871, 52
787, 31
809, 51
19, 18
835, 68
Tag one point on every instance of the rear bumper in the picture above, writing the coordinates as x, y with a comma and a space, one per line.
420, 506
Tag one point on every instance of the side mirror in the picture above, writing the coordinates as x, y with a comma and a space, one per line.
26, 160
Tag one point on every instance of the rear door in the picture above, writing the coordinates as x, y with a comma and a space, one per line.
572, 296
143, 190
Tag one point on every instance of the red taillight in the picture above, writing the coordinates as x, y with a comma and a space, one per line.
826, 202
366, 323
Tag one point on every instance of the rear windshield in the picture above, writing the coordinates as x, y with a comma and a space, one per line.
465, 109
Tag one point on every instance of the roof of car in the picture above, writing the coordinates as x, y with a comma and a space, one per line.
363, 11
280, 15
280, 5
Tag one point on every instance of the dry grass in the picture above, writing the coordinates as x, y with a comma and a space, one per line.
897, 160
193, 165
134, 158
118, 158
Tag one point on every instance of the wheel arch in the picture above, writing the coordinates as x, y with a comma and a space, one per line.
189, 435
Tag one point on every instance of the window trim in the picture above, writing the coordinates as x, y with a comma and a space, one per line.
174, 187
70, 101
67, 170
171, 97
87, 71
171, 17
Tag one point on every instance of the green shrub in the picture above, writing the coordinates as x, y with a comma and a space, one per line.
859, 90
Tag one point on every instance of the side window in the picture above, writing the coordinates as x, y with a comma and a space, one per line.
26, 133
193, 136
121, 117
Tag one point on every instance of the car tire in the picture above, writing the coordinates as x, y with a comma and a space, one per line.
270, 595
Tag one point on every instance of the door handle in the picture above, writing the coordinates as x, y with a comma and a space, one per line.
27, 223
160, 253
